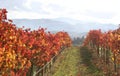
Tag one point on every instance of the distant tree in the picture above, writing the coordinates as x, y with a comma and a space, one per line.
78, 40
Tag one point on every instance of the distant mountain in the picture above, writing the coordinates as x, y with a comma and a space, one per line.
86, 26
74, 27
51, 25
68, 20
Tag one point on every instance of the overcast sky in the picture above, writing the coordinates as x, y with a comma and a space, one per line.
104, 11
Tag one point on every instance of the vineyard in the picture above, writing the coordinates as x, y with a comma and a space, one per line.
22, 49
106, 46
26, 52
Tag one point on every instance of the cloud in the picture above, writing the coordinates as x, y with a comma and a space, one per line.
11, 4
100, 14
89, 10
23, 9
56, 7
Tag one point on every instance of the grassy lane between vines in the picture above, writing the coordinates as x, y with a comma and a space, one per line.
87, 67
67, 63
75, 61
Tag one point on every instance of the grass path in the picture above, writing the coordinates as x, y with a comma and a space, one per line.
67, 63
75, 61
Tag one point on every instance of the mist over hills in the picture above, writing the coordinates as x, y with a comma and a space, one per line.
75, 28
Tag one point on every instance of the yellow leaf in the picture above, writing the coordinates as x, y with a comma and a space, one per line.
112, 58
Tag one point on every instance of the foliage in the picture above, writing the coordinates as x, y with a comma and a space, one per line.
107, 47
20, 48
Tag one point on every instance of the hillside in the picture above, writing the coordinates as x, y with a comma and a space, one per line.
75, 29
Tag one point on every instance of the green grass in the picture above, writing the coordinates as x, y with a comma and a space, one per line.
68, 65
75, 61
86, 58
